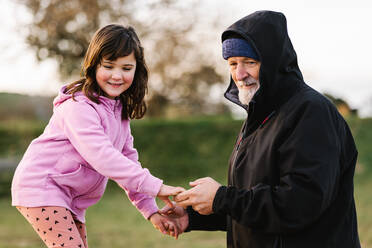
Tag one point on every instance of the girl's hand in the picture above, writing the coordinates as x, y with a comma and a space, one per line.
177, 213
166, 191
165, 225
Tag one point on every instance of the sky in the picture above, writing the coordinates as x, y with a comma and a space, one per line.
332, 40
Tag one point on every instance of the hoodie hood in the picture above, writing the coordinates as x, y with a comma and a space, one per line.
62, 96
280, 76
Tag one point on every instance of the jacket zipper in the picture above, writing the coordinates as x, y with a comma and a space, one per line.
241, 138
279, 242
236, 150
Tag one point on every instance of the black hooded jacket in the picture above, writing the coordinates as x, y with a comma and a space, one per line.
291, 171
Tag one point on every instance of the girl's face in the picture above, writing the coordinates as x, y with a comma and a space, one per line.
115, 77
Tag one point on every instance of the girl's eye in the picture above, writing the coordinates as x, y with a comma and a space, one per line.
127, 68
107, 66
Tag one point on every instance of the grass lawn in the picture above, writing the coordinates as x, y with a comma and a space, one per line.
113, 222
363, 201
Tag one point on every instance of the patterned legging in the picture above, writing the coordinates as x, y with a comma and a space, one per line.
56, 226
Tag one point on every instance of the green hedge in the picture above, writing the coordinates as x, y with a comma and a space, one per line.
185, 150
16, 135
178, 150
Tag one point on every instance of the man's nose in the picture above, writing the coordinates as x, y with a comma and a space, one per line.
241, 72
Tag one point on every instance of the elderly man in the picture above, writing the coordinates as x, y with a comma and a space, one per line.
290, 179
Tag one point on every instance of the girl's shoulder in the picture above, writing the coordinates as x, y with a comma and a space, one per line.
66, 103
66, 97
69, 100
77, 107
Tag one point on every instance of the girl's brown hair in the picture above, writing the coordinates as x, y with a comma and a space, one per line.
111, 42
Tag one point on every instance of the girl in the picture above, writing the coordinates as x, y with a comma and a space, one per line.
87, 141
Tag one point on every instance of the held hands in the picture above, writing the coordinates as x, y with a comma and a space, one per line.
173, 218
200, 197
166, 191
165, 225
178, 214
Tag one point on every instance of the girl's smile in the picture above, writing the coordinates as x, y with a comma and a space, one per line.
115, 85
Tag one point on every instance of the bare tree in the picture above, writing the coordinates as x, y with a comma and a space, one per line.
62, 29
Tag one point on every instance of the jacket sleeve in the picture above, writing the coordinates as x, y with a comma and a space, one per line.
309, 167
145, 204
82, 126
212, 222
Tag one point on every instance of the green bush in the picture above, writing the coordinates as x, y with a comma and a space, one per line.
181, 150
16, 135
175, 151
185, 150
362, 132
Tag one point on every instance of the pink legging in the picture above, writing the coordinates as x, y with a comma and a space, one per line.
56, 226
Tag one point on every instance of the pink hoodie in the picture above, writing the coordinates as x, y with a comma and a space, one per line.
83, 145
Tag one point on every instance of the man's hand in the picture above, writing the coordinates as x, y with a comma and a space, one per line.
200, 197
166, 191
165, 225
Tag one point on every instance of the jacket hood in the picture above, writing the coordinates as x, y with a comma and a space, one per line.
63, 96
280, 76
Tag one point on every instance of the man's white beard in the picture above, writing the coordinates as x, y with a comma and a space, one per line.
246, 95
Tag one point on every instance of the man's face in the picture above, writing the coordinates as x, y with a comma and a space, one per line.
245, 73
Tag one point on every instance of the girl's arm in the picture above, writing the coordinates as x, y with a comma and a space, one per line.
82, 126
145, 204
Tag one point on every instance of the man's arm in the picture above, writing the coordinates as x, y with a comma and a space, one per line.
189, 220
212, 222
308, 160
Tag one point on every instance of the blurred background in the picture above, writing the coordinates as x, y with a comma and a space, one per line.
189, 129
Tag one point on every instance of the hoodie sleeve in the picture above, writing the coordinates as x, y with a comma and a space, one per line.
145, 204
82, 126
308, 160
